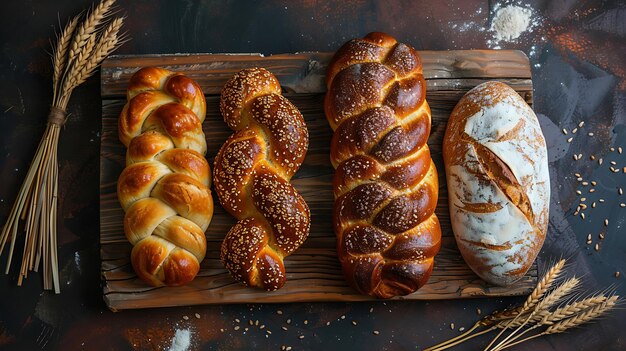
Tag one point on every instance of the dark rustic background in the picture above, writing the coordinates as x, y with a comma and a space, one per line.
577, 55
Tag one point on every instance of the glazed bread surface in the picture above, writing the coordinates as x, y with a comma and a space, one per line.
498, 183
164, 189
252, 173
385, 183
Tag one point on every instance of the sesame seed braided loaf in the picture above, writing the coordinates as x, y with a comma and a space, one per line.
385, 183
164, 188
252, 173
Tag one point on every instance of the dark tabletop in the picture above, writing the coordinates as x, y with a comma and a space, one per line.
577, 55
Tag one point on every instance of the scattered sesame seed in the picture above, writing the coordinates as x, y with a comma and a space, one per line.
601, 200
237, 320
592, 157
570, 140
353, 322
301, 337
461, 329
376, 332
371, 309
269, 332
593, 182
343, 317
617, 274
579, 192
585, 183
619, 149
197, 315
606, 222
581, 124
592, 190
288, 348
574, 130
284, 328
327, 323
582, 215
583, 199
620, 191
601, 235
236, 327
590, 134
564, 131
251, 322
589, 237
575, 157
478, 311
452, 326
593, 204
597, 247
612, 149
622, 205
279, 312
306, 322
600, 160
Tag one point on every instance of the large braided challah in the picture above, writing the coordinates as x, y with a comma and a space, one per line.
164, 188
385, 182
252, 173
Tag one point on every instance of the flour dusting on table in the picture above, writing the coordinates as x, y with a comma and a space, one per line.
511, 21
181, 340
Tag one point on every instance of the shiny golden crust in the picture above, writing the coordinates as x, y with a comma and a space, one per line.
385, 182
164, 188
252, 173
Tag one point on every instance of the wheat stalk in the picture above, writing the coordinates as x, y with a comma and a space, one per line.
543, 304
588, 315
79, 50
542, 287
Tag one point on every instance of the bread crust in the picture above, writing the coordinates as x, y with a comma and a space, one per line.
496, 165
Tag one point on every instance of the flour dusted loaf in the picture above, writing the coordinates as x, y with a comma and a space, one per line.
385, 183
164, 188
496, 166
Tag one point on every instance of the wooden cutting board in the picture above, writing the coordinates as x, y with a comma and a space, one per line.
313, 272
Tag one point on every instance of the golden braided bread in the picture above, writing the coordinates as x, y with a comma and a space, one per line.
385, 183
164, 188
252, 173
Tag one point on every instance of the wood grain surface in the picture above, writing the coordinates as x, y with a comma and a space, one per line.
313, 271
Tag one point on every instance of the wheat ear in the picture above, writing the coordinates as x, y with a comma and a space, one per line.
107, 43
60, 53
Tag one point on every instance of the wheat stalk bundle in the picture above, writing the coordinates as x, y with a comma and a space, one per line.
79, 50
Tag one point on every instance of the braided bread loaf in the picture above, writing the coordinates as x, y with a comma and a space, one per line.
385, 182
252, 173
164, 188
